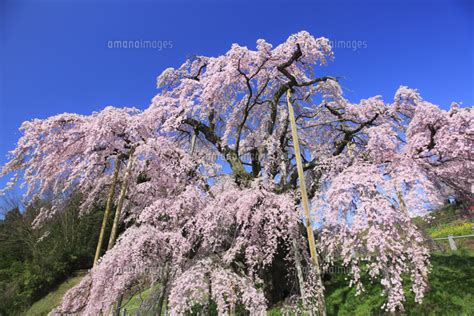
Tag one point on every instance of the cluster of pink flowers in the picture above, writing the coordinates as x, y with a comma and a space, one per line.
207, 279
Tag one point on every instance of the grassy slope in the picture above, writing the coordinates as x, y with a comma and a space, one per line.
50, 301
451, 291
451, 280
134, 303
446, 221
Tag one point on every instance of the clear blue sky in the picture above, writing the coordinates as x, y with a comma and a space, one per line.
54, 54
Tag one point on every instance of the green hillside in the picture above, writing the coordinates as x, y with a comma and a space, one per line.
50, 301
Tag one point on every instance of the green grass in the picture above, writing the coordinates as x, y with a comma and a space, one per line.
136, 302
133, 303
451, 292
451, 281
50, 301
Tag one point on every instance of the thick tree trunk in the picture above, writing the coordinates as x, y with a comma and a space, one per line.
123, 191
304, 198
108, 206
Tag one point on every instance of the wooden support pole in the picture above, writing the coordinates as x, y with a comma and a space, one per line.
123, 191
304, 198
108, 206
193, 142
